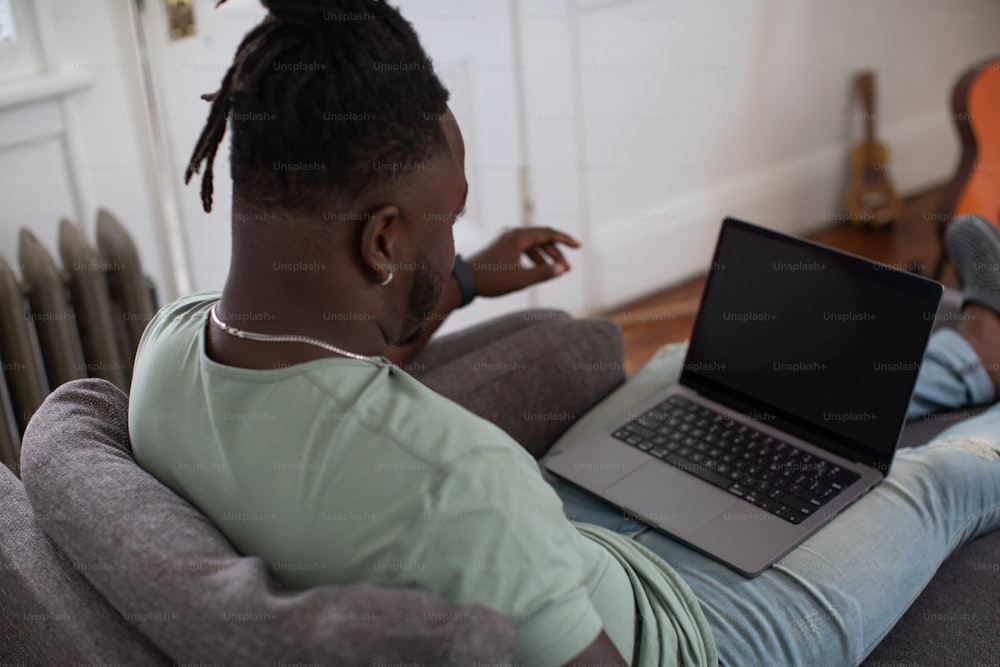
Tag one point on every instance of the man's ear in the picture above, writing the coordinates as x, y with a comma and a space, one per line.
381, 241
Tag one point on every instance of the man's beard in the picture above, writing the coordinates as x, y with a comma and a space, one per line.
424, 297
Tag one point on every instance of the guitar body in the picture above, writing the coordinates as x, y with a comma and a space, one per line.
871, 199
976, 102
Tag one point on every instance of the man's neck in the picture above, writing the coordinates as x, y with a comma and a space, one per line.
343, 320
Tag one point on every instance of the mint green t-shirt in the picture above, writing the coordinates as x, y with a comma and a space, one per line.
338, 471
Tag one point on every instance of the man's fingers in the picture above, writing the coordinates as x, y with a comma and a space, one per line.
538, 244
563, 238
551, 257
553, 251
538, 236
535, 256
540, 273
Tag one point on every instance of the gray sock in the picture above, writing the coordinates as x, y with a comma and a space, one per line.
974, 247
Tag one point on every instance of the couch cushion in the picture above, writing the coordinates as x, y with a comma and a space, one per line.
51, 615
954, 621
166, 568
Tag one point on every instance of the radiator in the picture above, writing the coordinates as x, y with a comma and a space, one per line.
56, 325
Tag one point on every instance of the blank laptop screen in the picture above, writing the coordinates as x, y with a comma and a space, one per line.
826, 342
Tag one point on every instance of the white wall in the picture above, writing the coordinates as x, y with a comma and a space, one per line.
686, 112
646, 120
83, 147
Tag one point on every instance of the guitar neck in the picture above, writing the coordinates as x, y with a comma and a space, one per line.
866, 85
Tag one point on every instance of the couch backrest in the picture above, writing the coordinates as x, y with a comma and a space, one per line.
172, 574
49, 613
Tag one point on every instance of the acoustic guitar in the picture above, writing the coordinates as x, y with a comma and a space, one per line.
976, 112
871, 199
976, 185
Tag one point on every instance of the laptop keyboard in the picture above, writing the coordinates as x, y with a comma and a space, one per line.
774, 475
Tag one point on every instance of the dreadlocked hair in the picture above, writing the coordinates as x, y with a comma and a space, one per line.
324, 98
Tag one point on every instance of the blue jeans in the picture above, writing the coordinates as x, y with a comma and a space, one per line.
832, 599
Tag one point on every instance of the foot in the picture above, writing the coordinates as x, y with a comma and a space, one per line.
974, 247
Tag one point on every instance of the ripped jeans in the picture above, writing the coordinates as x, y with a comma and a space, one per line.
832, 599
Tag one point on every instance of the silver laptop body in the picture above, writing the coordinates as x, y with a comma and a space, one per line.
803, 345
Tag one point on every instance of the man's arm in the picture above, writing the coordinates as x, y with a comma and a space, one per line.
497, 270
600, 652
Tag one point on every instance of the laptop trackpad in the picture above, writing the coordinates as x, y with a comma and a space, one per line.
669, 497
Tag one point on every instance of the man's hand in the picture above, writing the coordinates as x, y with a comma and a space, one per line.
497, 269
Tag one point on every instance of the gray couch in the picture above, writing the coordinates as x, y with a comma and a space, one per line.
101, 563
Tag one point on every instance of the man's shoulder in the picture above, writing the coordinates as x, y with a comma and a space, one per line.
189, 309
170, 341
419, 421
180, 318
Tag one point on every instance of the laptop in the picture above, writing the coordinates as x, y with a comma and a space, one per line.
789, 407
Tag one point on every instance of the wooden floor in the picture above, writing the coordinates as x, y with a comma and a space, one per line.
912, 243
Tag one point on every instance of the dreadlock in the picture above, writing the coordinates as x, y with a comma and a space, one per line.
319, 98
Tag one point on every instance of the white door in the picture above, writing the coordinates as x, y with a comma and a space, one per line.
472, 48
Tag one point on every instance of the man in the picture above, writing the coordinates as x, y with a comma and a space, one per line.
422, 492
277, 409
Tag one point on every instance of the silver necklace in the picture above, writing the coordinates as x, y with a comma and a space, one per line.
269, 338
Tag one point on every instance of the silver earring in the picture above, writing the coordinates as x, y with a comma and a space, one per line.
388, 280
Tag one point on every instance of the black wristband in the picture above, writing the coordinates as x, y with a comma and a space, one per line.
466, 284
